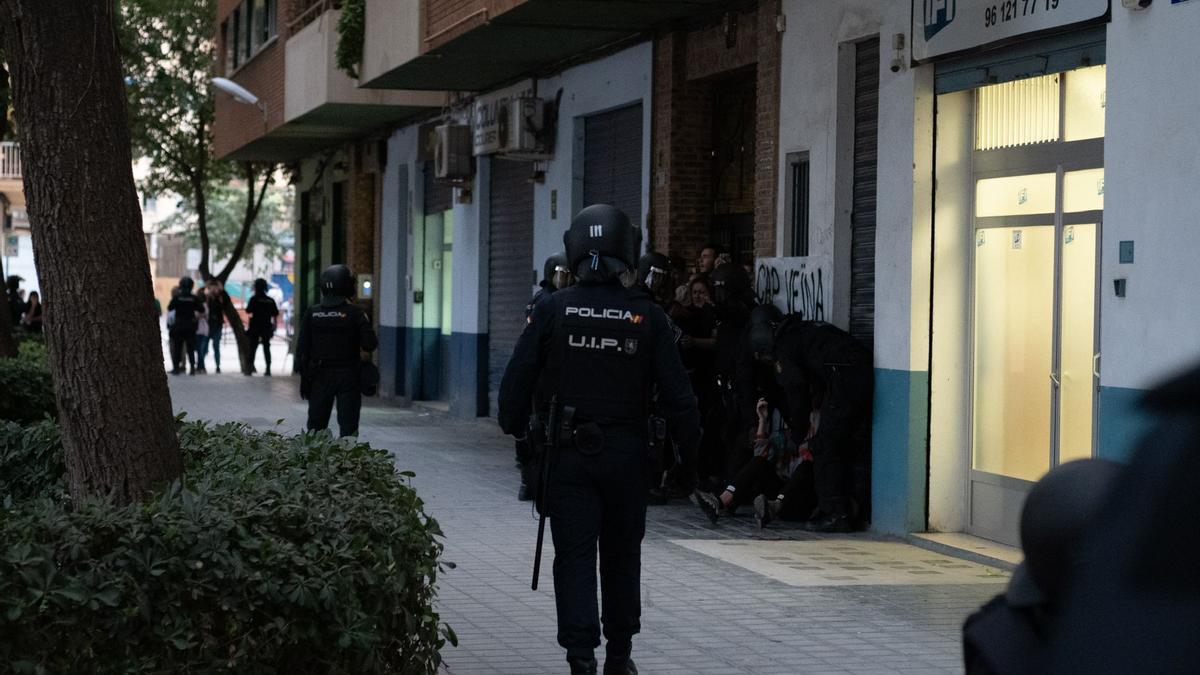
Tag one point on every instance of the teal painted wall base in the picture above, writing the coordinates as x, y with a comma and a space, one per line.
898, 457
1121, 422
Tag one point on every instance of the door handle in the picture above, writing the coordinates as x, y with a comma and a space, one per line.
1054, 379
1096, 365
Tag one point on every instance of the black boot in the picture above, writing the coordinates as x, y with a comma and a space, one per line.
830, 523
582, 665
617, 661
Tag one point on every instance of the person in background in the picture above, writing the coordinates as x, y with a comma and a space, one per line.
16, 304
262, 310
32, 319
183, 327
214, 301
201, 334
1013, 631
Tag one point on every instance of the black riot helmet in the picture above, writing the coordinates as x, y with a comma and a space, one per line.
337, 280
601, 243
1057, 512
654, 271
730, 283
556, 274
764, 321
186, 284
260, 285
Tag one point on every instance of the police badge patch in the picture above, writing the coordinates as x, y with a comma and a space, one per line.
631, 346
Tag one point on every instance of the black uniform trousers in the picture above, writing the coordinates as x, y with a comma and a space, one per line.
183, 350
340, 385
260, 338
599, 500
846, 405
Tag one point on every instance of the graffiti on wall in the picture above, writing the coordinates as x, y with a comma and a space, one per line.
797, 285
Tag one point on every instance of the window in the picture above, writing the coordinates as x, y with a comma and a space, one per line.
251, 26
798, 202
234, 39
258, 20
227, 51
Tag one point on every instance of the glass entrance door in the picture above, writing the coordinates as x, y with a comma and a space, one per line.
1034, 365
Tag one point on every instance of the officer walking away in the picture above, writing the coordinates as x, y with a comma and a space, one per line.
820, 365
182, 333
601, 347
333, 335
262, 310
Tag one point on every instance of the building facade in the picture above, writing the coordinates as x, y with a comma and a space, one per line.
996, 200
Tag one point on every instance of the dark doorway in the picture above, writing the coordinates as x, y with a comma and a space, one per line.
733, 143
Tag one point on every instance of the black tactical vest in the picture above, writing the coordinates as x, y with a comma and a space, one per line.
334, 334
601, 354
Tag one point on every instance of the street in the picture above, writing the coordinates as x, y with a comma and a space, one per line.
724, 599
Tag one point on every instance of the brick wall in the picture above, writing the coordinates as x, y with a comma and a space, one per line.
684, 64
766, 188
237, 124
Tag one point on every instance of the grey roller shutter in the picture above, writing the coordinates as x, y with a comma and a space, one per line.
510, 264
866, 164
612, 164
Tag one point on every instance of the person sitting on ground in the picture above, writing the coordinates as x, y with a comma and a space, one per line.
778, 480
1012, 632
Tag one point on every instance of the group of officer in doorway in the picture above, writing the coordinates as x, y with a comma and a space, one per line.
599, 364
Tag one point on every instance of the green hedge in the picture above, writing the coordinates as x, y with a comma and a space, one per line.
277, 554
26, 391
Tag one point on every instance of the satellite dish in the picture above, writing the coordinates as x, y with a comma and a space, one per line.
237, 91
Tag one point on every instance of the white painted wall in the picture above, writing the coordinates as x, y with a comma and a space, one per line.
1152, 168
815, 117
613, 82
392, 36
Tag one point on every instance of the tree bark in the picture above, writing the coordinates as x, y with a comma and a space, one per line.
118, 429
8, 346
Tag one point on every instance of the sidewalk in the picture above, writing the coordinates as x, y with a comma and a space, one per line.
725, 599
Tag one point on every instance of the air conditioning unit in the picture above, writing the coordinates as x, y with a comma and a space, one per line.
452, 153
526, 128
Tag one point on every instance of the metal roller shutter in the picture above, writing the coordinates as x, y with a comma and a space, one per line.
612, 160
866, 164
510, 259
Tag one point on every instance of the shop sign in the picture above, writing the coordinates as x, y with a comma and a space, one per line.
943, 27
486, 127
796, 285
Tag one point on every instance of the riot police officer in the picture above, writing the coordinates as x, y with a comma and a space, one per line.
654, 278
556, 275
182, 331
818, 364
600, 347
328, 355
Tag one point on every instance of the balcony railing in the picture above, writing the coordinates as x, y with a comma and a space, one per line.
10, 159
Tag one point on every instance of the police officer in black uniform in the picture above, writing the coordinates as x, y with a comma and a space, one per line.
654, 278
734, 299
183, 332
332, 336
820, 364
601, 347
262, 310
556, 275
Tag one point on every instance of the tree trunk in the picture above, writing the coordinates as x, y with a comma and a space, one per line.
118, 429
8, 346
245, 346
